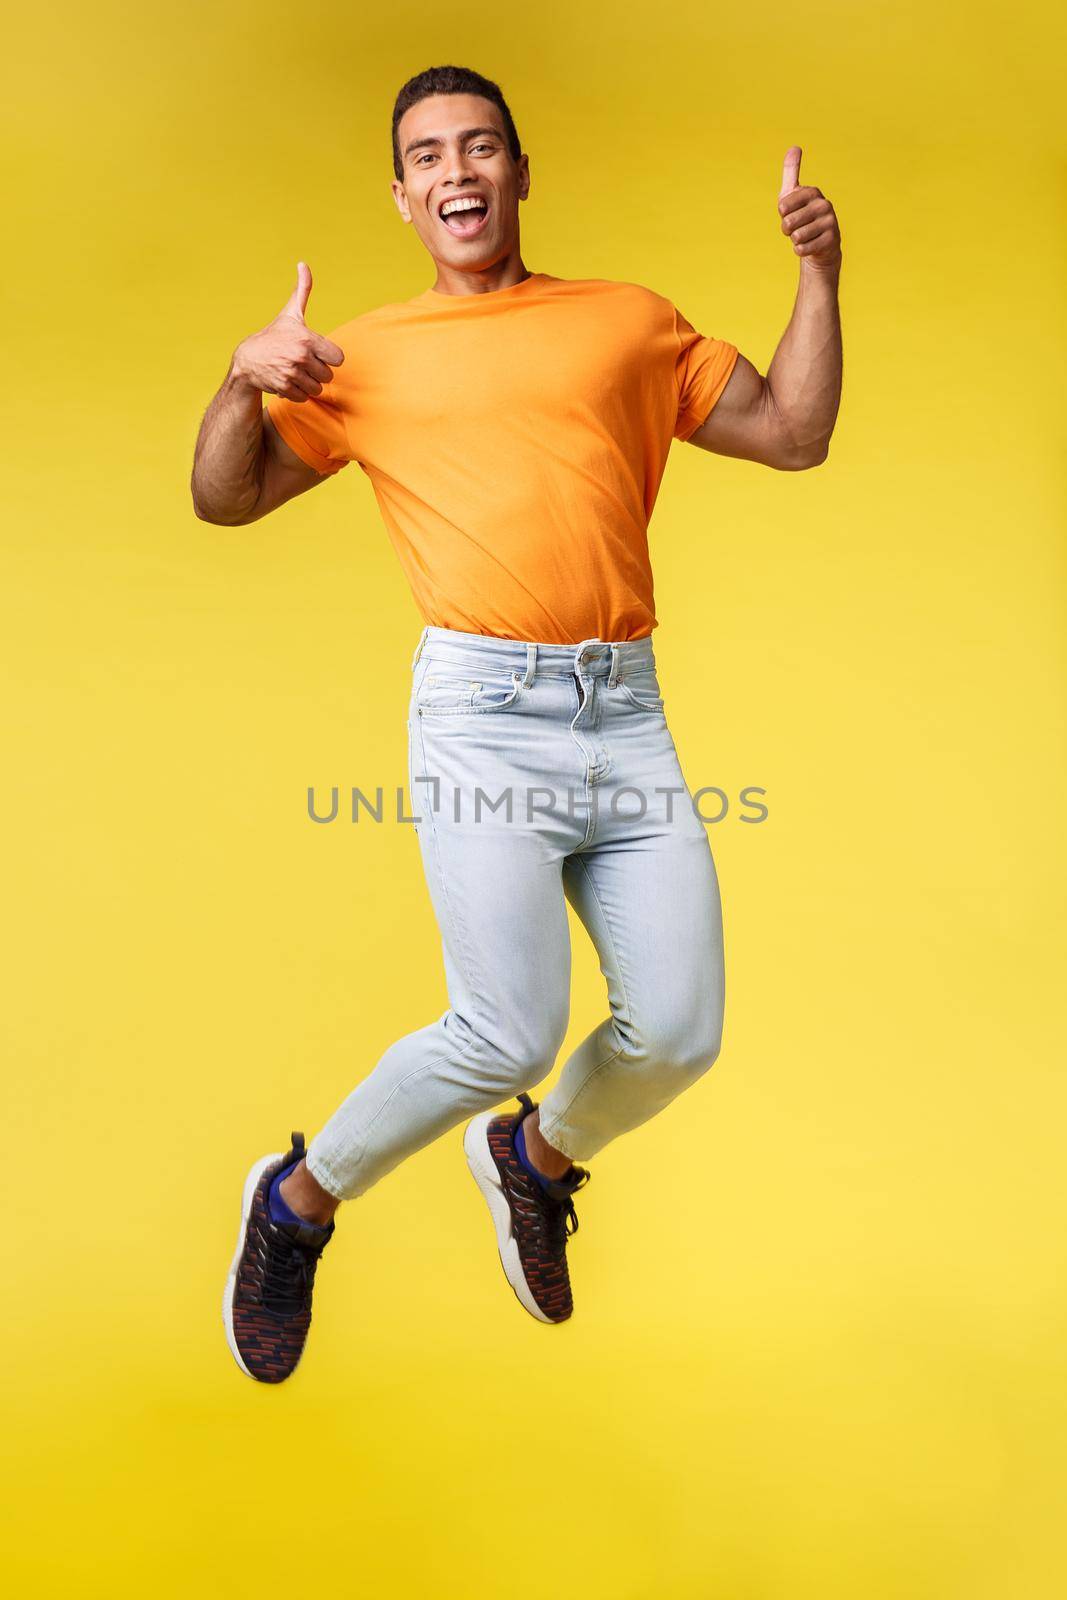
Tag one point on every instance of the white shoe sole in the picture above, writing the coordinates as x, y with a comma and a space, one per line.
487, 1177
231, 1281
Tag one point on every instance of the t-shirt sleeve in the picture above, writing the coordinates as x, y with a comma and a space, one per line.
314, 428
702, 370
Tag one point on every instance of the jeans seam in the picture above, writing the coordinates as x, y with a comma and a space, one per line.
611, 935
424, 1066
589, 788
559, 1119
460, 946
594, 1071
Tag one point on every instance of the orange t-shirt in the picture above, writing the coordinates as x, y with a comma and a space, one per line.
515, 442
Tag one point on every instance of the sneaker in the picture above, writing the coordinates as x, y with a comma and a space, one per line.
266, 1305
533, 1220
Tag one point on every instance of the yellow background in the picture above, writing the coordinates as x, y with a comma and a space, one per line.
819, 1340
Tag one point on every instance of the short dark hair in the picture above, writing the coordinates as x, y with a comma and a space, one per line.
450, 80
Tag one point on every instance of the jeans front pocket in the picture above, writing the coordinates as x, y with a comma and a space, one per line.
446, 693
642, 690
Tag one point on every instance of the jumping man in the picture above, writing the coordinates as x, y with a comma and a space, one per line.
515, 427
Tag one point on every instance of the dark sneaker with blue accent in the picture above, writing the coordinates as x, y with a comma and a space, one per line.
266, 1305
533, 1215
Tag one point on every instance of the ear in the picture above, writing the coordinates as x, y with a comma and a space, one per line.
524, 175
401, 200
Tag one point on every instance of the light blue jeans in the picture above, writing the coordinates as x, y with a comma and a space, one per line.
539, 773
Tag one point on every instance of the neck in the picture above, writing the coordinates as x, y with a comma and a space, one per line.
503, 274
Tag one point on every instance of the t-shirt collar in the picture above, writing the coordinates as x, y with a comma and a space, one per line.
436, 298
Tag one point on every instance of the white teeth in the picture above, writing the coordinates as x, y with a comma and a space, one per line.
461, 205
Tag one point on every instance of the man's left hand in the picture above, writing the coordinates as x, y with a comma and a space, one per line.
808, 219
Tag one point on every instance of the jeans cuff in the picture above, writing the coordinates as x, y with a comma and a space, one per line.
322, 1174
558, 1135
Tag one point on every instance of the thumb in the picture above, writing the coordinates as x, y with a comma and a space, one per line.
790, 170
296, 304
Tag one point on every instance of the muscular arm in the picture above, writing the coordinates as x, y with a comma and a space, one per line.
785, 420
242, 467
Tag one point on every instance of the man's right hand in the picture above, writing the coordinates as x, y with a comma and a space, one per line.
286, 358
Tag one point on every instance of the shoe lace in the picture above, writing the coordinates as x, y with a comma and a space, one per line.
555, 1220
288, 1273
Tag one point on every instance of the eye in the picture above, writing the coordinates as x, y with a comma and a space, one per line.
482, 147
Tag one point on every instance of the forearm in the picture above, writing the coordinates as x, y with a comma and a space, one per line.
228, 459
804, 378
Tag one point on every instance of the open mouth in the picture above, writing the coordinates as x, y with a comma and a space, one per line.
465, 218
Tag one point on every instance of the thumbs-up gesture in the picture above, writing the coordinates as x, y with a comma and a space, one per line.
286, 357
808, 218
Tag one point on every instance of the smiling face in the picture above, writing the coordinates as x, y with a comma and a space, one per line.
461, 188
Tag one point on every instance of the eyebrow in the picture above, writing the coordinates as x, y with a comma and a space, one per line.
468, 133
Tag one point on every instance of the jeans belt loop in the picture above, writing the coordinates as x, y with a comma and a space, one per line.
613, 675
418, 647
531, 663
